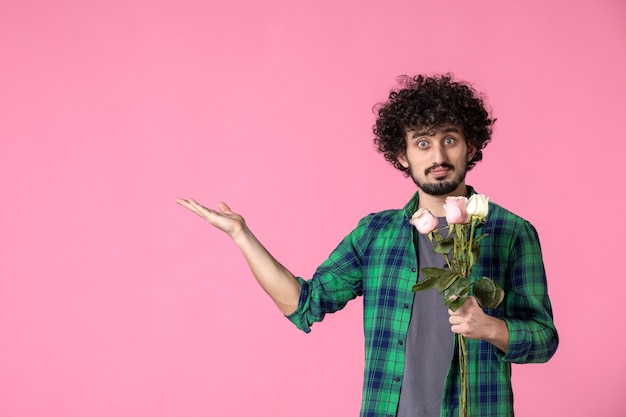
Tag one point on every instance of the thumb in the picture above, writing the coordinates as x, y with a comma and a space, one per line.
472, 300
224, 208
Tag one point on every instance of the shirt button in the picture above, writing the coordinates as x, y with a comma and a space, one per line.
397, 379
406, 305
413, 269
400, 342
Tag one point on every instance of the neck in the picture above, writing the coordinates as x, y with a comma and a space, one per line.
435, 203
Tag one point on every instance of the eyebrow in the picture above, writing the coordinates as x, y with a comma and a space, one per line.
430, 132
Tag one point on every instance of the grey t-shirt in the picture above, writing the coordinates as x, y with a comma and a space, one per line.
429, 343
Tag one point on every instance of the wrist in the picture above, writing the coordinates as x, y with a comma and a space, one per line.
242, 237
498, 334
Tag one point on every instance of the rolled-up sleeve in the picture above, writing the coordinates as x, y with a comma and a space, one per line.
335, 282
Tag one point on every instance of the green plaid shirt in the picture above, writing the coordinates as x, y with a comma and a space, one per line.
378, 261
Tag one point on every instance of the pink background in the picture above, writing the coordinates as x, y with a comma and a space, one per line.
115, 301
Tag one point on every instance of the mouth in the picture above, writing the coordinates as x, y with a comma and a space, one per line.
439, 172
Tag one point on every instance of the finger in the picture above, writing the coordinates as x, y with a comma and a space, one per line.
224, 208
472, 300
185, 203
454, 313
196, 205
467, 306
193, 206
200, 209
182, 201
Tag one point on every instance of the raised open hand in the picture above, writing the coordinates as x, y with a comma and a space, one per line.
224, 219
281, 285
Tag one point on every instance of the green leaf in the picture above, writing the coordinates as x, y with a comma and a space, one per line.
447, 278
481, 237
455, 264
459, 287
484, 291
474, 254
426, 284
461, 231
487, 293
454, 303
444, 246
498, 298
432, 272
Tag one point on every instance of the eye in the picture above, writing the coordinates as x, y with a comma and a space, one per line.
422, 144
449, 141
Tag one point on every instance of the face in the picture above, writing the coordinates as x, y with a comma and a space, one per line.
437, 158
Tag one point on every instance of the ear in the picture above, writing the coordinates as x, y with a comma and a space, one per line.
401, 157
471, 151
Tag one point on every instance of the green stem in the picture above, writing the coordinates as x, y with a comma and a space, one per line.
463, 411
469, 248
447, 261
437, 237
461, 246
464, 382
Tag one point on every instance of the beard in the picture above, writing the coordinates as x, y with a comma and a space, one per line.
439, 187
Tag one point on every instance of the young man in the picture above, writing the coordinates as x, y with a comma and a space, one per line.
433, 129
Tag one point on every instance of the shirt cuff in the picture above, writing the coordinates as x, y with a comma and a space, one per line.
298, 317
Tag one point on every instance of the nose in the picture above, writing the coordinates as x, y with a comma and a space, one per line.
438, 154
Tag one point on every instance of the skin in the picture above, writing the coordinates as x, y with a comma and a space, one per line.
277, 281
437, 161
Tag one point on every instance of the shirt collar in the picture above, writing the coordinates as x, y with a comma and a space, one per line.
411, 207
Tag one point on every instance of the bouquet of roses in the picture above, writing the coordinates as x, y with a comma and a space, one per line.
461, 250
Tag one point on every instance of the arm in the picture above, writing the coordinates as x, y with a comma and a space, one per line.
336, 281
524, 330
527, 308
280, 284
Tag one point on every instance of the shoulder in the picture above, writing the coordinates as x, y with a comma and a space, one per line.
383, 219
496, 211
502, 220
380, 225
499, 214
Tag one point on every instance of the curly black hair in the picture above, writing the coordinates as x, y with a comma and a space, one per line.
430, 102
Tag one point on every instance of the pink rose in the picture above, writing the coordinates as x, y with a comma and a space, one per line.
456, 210
424, 221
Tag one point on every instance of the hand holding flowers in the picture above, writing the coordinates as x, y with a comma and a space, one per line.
454, 280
